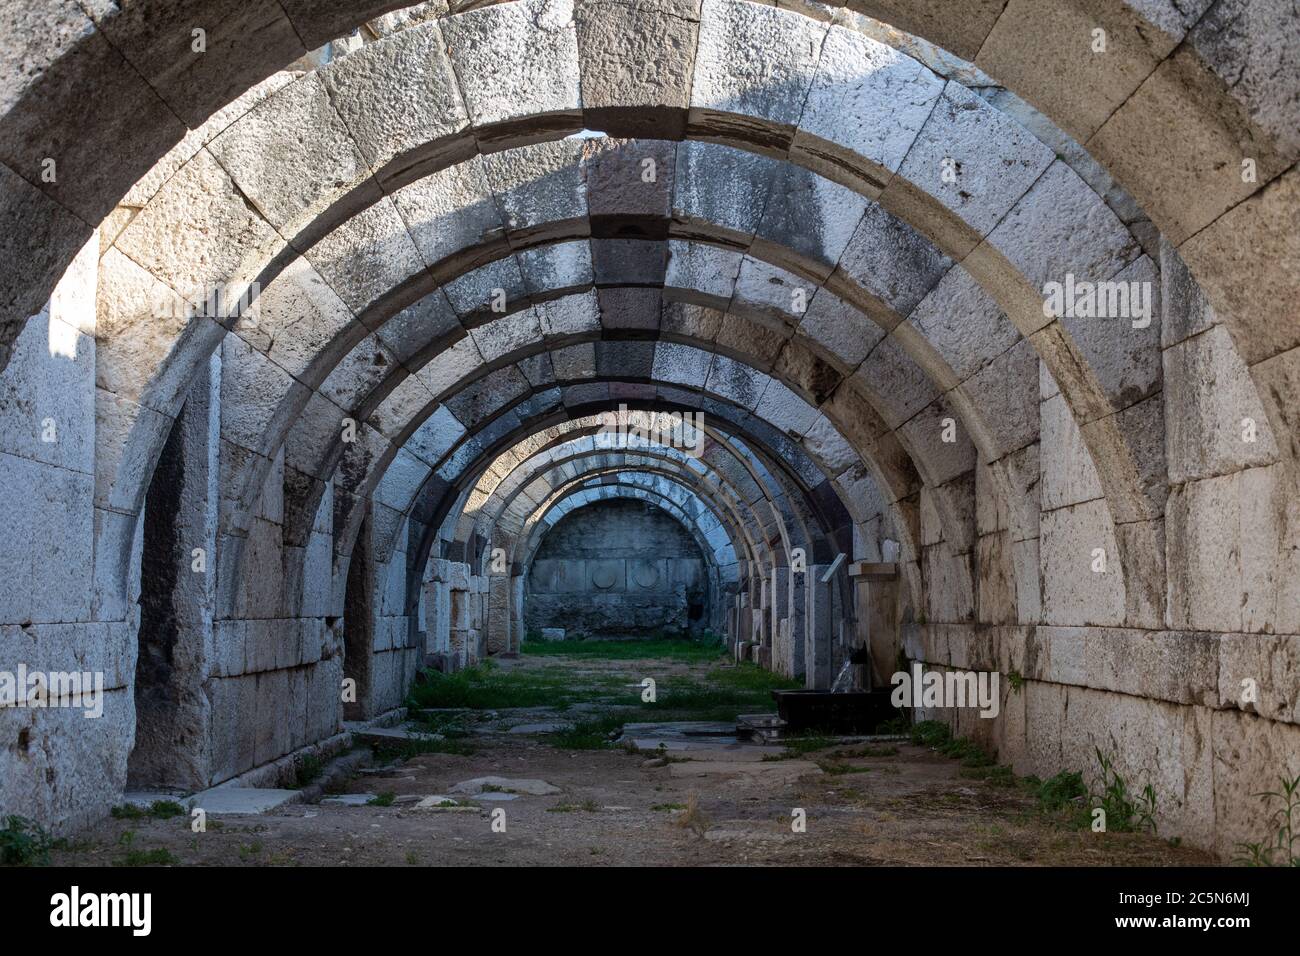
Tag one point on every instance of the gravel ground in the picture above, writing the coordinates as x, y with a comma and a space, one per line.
906, 806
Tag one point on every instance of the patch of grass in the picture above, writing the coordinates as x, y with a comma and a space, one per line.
24, 842
894, 725
409, 749
1058, 792
159, 857
384, 799
796, 747
968, 752
486, 687
1279, 848
593, 734
997, 775
722, 694
930, 733
869, 750
451, 726
1061, 796
587, 806
250, 850
1125, 812
684, 649
158, 810
166, 809
839, 769
307, 769
935, 734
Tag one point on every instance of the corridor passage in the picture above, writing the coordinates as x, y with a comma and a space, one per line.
361, 359
561, 746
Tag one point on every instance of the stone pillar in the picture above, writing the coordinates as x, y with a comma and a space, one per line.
783, 653
797, 627
818, 632
517, 630
173, 713
876, 618
359, 622
498, 640
438, 610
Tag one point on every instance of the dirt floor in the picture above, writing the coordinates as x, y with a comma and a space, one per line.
707, 802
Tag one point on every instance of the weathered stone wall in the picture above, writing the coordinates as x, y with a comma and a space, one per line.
57, 765
1197, 696
617, 568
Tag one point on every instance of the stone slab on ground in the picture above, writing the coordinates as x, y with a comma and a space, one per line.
348, 800
547, 727
768, 771
242, 800
536, 788
443, 803
677, 745
683, 728
144, 799
732, 752
386, 735
553, 633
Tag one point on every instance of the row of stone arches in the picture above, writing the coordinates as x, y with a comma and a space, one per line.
830, 236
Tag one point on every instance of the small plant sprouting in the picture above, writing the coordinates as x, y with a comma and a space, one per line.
307, 768
24, 843
692, 817
1062, 792
158, 810
385, 799
1124, 811
1279, 849
160, 856
1016, 680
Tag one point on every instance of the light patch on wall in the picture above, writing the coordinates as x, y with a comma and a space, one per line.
63, 340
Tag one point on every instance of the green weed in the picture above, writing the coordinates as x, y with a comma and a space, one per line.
24, 843
1279, 849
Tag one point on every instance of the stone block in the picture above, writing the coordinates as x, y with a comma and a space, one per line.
417, 118
1251, 756
812, 217
199, 233
293, 157
1073, 593
518, 69
1068, 474
865, 107
636, 62
368, 256
1209, 396
450, 211
753, 67
995, 161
